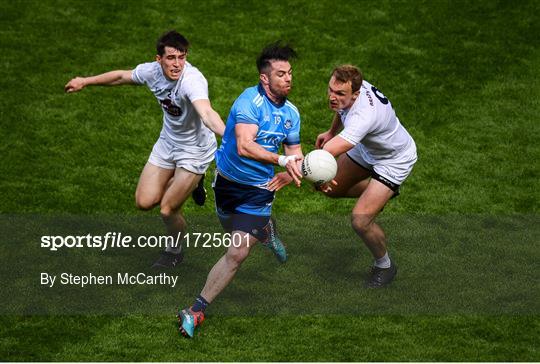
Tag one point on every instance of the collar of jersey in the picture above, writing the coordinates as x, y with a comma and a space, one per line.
343, 113
263, 92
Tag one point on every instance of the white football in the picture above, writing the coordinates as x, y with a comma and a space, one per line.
319, 166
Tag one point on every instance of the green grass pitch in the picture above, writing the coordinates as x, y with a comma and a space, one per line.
464, 80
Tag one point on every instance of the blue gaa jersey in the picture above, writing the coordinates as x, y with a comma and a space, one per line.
277, 124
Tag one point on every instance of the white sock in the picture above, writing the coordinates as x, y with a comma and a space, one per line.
383, 262
173, 248
170, 249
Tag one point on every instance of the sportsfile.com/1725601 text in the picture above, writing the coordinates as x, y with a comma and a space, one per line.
120, 240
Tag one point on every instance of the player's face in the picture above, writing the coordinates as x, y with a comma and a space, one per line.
340, 95
172, 62
279, 79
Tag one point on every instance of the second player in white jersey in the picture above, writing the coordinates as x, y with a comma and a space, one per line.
375, 155
186, 146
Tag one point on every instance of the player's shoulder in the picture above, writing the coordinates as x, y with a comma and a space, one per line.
147, 71
192, 72
365, 103
148, 66
292, 108
250, 96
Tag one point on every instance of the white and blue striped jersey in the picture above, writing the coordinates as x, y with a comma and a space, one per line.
278, 124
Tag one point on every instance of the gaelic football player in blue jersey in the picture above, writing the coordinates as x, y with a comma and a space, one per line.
260, 122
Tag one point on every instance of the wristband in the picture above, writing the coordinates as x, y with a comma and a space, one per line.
284, 159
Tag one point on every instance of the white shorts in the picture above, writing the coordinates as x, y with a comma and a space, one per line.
395, 169
170, 156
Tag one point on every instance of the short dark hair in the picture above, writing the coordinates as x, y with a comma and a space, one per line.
346, 73
274, 52
172, 39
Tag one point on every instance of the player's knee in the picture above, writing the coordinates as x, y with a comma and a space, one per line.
145, 202
237, 255
167, 210
361, 223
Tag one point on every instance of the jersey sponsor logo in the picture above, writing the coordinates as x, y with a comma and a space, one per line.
170, 108
270, 141
287, 124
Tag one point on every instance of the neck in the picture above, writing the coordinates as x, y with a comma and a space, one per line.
273, 97
348, 107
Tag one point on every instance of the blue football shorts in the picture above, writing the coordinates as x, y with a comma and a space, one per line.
243, 207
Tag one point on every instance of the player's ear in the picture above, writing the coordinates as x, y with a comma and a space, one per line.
355, 95
158, 58
263, 77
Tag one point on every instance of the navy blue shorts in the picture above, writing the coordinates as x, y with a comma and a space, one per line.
242, 207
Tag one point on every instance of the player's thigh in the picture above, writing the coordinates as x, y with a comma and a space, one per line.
372, 200
357, 189
182, 185
152, 185
348, 175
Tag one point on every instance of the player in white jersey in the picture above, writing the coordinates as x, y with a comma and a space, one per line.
372, 143
186, 145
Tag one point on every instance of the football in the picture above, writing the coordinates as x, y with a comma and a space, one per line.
319, 167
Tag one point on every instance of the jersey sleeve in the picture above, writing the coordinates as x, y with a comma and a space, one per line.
196, 87
293, 137
143, 73
246, 112
356, 127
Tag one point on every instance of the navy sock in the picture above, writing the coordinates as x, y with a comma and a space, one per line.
200, 304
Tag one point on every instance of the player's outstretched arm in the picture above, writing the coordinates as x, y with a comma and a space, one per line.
337, 146
209, 116
325, 137
111, 78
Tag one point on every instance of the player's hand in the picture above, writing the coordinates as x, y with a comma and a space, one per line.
279, 181
323, 138
290, 163
74, 85
326, 187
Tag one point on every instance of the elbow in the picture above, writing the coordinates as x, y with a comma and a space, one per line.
205, 121
242, 150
